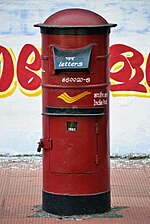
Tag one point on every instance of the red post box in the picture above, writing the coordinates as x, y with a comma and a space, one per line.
75, 141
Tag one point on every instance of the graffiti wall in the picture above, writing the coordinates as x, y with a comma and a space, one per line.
20, 73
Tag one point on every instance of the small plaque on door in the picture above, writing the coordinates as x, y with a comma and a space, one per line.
71, 126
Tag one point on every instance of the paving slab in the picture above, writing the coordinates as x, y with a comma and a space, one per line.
21, 193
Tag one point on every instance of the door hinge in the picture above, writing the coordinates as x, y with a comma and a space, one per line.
96, 159
96, 128
51, 143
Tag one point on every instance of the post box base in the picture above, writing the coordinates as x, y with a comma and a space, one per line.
65, 205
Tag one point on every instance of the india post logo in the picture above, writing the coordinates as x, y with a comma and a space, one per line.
69, 99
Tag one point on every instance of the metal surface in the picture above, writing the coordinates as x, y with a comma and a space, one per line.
75, 17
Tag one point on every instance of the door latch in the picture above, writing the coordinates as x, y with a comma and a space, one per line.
45, 143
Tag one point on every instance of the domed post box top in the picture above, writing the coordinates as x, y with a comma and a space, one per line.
65, 21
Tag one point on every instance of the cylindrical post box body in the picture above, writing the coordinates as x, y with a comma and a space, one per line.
75, 142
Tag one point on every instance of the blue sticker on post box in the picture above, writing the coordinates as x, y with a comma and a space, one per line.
72, 60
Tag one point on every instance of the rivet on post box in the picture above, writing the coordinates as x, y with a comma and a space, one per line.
75, 97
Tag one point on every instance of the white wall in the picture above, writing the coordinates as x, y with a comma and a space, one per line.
20, 115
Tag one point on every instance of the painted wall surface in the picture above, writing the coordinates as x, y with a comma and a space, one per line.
20, 72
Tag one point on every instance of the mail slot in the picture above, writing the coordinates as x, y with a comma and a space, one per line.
72, 60
75, 101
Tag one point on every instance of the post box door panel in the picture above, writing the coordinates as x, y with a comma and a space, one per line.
74, 145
